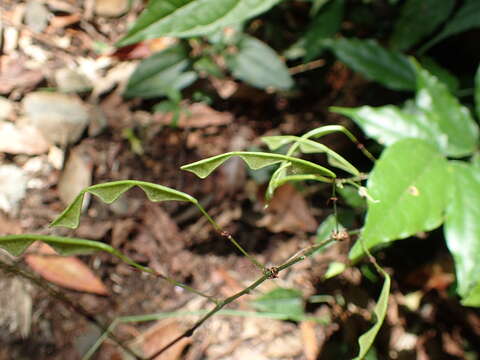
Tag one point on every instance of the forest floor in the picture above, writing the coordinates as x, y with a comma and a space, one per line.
84, 132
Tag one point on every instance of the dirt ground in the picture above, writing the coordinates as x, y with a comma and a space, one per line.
68, 45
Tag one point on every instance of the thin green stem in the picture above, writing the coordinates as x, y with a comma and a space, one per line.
230, 238
270, 273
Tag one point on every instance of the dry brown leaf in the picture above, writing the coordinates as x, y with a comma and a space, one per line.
288, 211
68, 272
197, 115
158, 336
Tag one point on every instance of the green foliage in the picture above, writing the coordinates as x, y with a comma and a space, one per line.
188, 18
412, 26
161, 74
462, 229
257, 160
257, 64
366, 340
466, 18
17, 244
287, 302
409, 186
111, 191
389, 68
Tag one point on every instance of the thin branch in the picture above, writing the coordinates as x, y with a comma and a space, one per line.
77, 308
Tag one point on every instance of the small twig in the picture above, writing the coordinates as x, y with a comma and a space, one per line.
77, 308
270, 273
306, 67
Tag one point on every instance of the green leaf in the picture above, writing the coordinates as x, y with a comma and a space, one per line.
388, 124
256, 160
288, 302
17, 244
161, 73
259, 65
466, 18
307, 146
188, 18
409, 184
477, 92
462, 230
389, 68
441, 108
411, 26
442, 74
324, 25
111, 191
366, 340
335, 268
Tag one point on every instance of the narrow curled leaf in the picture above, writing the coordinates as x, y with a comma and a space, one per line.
17, 244
188, 18
111, 191
366, 340
256, 160
307, 146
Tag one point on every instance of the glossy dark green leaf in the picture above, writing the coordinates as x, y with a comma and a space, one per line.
443, 109
188, 18
388, 124
162, 73
111, 191
365, 341
325, 24
409, 186
411, 26
467, 17
288, 302
462, 230
259, 65
256, 160
391, 69
17, 244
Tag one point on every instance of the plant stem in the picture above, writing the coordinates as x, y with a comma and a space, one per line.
268, 274
230, 238
77, 308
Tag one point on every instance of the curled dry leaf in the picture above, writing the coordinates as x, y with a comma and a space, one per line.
68, 272
197, 115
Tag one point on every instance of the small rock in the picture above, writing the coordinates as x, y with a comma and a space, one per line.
21, 139
111, 8
70, 81
76, 176
61, 118
36, 16
6, 108
13, 185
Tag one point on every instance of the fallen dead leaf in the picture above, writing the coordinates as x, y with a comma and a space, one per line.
15, 75
158, 336
288, 211
197, 115
68, 272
